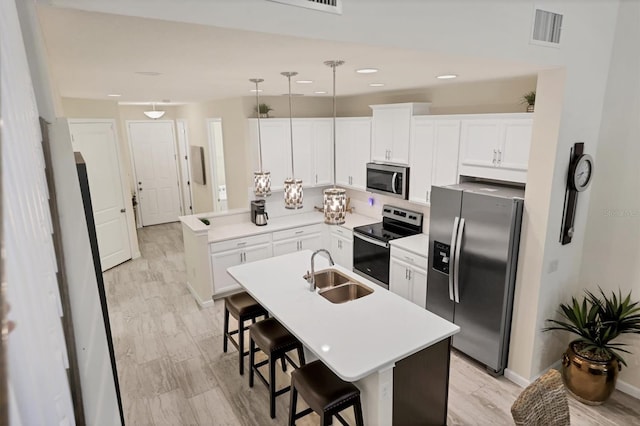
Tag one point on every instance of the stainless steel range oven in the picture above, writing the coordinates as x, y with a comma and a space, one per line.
371, 242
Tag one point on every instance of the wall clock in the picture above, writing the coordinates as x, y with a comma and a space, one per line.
578, 179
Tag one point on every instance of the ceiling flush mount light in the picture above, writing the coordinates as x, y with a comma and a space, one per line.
446, 76
292, 187
255, 90
367, 70
320, 92
304, 81
114, 95
335, 199
154, 114
376, 84
261, 179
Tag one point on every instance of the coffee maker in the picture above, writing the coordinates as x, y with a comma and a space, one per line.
258, 215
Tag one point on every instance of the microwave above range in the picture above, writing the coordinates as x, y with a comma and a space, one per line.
388, 179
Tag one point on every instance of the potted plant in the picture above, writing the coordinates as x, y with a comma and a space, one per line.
591, 363
263, 110
529, 98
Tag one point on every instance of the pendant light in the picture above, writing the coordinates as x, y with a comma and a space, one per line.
261, 179
292, 187
335, 199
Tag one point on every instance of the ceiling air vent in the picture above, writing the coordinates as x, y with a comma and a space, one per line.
546, 27
331, 6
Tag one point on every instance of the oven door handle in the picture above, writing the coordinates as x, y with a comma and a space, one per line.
393, 183
371, 240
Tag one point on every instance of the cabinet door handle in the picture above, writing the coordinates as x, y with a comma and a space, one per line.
428, 195
299, 232
499, 156
495, 153
409, 259
242, 243
316, 178
300, 245
409, 274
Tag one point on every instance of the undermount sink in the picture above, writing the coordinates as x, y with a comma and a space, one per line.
339, 288
330, 278
345, 292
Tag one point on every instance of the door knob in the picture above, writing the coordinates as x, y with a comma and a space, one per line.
123, 210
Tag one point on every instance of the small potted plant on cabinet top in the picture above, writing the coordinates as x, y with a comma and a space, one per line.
529, 98
263, 110
591, 363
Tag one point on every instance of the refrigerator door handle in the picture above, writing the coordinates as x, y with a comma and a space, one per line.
456, 279
452, 256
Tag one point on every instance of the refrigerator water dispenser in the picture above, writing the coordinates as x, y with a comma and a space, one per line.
441, 257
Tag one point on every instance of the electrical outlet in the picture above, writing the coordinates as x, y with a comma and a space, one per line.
386, 391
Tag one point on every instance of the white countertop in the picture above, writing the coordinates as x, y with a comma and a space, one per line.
224, 232
355, 338
417, 244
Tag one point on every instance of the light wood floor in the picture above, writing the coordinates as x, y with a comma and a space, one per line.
172, 370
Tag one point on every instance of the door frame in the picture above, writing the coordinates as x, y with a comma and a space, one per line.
211, 144
129, 210
185, 172
133, 161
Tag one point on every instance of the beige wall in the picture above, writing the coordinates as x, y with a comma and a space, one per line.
611, 256
490, 96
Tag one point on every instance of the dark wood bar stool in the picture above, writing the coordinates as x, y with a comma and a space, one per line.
325, 393
243, 308
275, 341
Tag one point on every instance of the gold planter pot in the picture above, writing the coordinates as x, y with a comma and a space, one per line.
590, 382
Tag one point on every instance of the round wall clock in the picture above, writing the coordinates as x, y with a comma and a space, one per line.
581, 172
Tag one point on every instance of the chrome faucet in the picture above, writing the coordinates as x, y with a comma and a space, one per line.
311, 278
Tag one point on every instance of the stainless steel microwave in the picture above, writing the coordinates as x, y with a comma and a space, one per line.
388, 180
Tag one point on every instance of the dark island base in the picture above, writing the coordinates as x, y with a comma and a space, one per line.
421, 386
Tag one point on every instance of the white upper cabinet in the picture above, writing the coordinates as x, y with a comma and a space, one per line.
353, 151
433, 156
312, 149
496, 146
391, 130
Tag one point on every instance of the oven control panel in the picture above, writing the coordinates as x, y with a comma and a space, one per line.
441, 257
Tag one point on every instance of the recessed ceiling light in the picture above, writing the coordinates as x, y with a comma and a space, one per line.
304, 81
320, 92
376, 84
254, 90
149, 73
114, 95
367, 70
446, 76
293, 94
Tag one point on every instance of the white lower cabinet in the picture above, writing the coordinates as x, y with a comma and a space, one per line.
408, 276
235, 252
291, 240
342, 247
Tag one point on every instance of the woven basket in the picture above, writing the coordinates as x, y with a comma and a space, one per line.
542, 403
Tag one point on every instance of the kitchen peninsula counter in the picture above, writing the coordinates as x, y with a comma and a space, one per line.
396, 352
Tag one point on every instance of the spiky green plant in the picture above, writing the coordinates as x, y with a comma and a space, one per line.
598, 320
529, 98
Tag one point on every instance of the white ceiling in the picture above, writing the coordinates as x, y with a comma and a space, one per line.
94, 54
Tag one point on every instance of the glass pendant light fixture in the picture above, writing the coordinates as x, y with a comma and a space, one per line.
154, 114
261, 179
292, 186
335, 199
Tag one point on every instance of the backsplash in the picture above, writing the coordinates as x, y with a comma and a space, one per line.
360, 201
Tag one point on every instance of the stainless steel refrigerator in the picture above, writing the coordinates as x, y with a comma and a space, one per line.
474, 235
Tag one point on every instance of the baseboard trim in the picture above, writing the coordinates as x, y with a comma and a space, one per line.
631, 390
514, 377
136, 255
202, 304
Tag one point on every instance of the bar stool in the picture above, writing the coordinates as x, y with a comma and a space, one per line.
275, 341
243, 308
325, 393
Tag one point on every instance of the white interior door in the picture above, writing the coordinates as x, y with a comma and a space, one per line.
154, 157
185, 168
97, 143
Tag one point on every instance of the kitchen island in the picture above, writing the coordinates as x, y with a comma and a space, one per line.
394, 351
